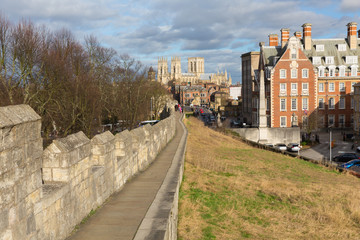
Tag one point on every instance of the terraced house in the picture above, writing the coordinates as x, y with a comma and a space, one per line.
306, 82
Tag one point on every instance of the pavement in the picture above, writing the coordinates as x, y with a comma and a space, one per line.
322, 150
121, 216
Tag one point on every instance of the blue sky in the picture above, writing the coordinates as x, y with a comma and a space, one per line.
218, 30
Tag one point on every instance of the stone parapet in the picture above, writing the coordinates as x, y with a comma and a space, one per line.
44, 194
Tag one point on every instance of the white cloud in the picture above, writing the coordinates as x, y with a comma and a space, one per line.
350, 5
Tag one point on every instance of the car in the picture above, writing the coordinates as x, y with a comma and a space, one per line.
280, 146
350, 164
234, 124
345, 157
293, 147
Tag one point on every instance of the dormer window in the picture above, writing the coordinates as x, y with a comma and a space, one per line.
329, 60
351, 59
341, 71
354, 69
316, 60
319, 48
341, 47
332, 71
321, 71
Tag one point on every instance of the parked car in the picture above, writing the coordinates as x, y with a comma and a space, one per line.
281, 146
235, 124
293, 147
345, 157
351, 164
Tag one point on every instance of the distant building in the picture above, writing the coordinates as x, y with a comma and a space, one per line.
303, 82
194, 95
194, 76
235, 91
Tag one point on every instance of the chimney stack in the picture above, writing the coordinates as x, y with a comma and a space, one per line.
285, 32
351, 35
298, 35
307, 35
273, 40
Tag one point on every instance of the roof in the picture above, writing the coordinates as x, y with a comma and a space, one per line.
269, 52
205, 76
331, 49
194, 88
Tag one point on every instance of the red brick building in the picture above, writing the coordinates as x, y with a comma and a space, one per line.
307, 82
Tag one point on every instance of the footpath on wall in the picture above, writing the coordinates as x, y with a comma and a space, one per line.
143, 207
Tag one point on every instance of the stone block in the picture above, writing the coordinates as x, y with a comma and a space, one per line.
4, 219
47, 174
7, 235
7, 138
30, 224
33, 149
60, 175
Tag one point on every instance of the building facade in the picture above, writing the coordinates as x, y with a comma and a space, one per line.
307, 82
195, 74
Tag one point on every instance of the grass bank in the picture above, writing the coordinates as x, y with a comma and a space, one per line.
233, 191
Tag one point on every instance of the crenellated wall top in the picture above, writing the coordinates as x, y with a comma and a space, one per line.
17, 114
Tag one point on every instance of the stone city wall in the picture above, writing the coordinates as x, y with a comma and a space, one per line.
273, 135
44, 194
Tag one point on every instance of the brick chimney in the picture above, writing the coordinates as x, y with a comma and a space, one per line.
273, 40
351, 35
307, 35
285, 32
298, 35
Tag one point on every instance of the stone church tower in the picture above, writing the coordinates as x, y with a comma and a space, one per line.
163, 72
175, 68
151, 74
196, 65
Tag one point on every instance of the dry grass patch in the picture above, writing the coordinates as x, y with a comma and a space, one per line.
234, 191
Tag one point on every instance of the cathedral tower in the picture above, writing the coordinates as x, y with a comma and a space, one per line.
196, 65
175, 68
163, 72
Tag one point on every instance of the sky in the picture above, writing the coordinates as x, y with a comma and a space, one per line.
218, 30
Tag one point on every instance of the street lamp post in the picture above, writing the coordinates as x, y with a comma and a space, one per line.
330, 143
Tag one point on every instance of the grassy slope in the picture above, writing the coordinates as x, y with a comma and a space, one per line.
233, 191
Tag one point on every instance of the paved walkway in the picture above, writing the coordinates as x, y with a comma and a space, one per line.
122, 214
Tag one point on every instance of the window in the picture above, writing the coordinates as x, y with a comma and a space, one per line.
321, 87
305, 73
352, 86
293, 86
342, 71
305, 89
331, 103
341, 47
352, 103
283, 87
282, 104
321, 71
282, 73
293, 53
353, 70
293, 104
321, 103
341, 120
331, 87
187, 95
331, 120
294, 73
342, 103
282, 121
331, 71
268, 104
329, 60
305, 104
341, 86
319, 48
351, 59
316, 60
